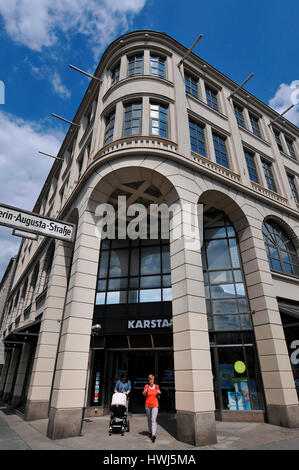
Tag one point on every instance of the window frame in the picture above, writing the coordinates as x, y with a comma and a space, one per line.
215, 95
256, 120
130, 58
278, 139
269, 175
166, 121
290, 147
282, 236
125, 105
193, 82
203, 141
115, 73
134, 276
216, 134
239, 115
153, 56
108, 127
293, 186
252, 169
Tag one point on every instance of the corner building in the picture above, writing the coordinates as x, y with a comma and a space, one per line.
217, 325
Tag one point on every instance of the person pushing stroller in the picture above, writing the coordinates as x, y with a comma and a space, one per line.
119, 406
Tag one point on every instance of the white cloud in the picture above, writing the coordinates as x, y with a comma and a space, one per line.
22, 170
37, 24
58, 86
285, 96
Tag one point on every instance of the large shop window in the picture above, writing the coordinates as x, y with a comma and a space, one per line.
134, 271
281, 252
226, 298
237, 383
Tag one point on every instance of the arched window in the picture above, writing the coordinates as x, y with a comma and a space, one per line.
281, 251
231, 333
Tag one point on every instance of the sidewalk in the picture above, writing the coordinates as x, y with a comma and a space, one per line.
16, 434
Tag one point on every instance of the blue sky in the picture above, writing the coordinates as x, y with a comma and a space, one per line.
40, 38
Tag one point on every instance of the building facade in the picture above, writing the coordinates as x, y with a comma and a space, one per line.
216, 321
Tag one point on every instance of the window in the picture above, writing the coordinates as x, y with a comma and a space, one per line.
158, 119
157, 66
278, 141
255, 125
236, 390
115, 74
88, 116
281, 252
212, 100
80, 164
220, 150
110, 119
269, 175
226, 298
132, 119
292, 182
197, 137
135, 65
251, 166
191, 84
134, 271
239, 115
290, 146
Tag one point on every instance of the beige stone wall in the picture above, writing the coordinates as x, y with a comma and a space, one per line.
45, 356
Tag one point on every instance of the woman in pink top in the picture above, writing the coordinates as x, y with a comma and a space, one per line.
151, 392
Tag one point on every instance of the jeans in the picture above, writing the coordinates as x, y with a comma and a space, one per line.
152, 414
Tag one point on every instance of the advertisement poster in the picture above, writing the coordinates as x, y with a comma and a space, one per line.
226, 372
241, 388
240, 401
96, 388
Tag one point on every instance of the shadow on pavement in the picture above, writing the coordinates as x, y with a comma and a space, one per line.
168, 422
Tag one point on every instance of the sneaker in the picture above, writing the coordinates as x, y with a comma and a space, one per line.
153, 438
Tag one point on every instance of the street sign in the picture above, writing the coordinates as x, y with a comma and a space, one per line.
20, 233
35, 223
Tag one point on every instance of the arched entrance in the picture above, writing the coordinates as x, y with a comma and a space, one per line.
133, 302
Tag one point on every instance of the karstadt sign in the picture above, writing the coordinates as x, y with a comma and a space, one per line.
34, 223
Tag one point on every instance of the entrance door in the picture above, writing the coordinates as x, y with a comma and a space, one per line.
138, 365
141, 364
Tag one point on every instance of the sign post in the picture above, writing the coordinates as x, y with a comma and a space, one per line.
35, 223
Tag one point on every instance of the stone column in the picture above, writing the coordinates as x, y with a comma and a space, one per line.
280, 393
11, 372
67, 404
195, 403
21, 374
4, 372
42, 373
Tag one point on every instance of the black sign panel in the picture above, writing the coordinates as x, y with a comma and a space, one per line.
127, 319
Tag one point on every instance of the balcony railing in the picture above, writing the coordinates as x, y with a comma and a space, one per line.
268, 193
215, 167
137, 142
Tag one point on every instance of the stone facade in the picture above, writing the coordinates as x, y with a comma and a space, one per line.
61, 278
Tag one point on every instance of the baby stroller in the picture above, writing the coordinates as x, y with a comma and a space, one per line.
118, 416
